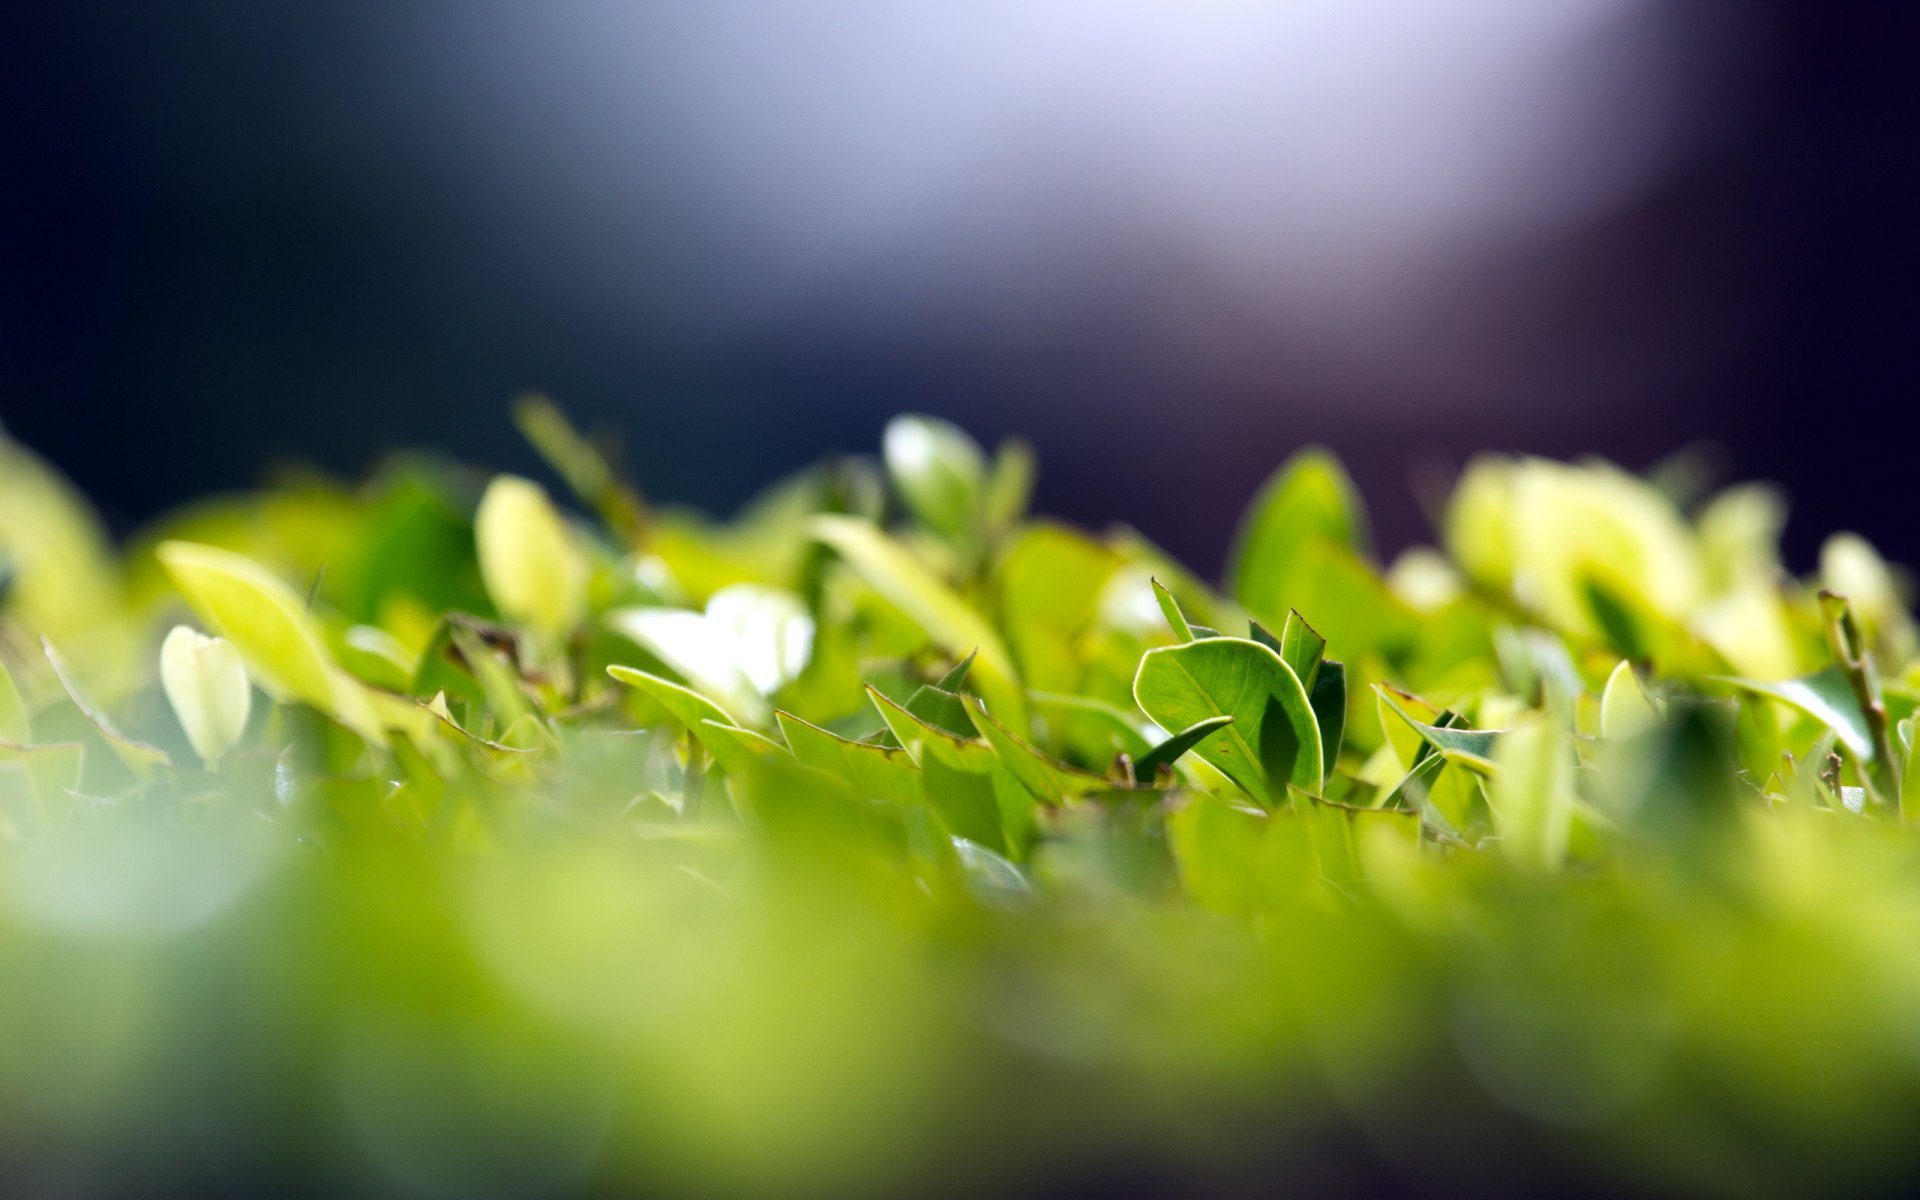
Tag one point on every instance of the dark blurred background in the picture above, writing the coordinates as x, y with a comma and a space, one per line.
1169, 241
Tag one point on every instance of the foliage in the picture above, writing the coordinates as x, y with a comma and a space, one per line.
887, 835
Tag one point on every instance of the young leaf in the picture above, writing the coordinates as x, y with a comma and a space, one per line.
1168, 752
578, 461
939, 471
956, 675
1624, 706
1827, 697
1308, 500
270, 626
533, 569
1469, 747
1532, 794
1273, 740
1301, 648
1171, 608
206, 683
890, 570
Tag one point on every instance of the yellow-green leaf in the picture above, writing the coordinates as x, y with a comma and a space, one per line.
206, 683
533, 569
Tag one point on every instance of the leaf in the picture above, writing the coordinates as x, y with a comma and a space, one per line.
1232, 859
890, 570
1827, 697
578, 461
1273, 739
752, 745
206, 683
1468, 747
971, 789
990, 876
1168, 752
1009, 486
1176, 619
687, 706
533, 569
1301, 648
1910, 778
15, 724
749, 643
696, 713
1308, 500
1328, 696
874, 771
268, 623
939, 707
939, 471
1048, 588
1046, 777
1120, 730
1625, 709
1532, 794
956, 676
143, 760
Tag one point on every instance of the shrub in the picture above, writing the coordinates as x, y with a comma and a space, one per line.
422, 837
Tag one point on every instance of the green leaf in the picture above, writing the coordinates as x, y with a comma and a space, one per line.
1274, 738
1009, 486
1532, 794
687, 706
1827, 697
890, 570
874, 771
1118, 730
1176, 619
937, 706
968, 784
940, 472
140, 758
697, 714
956, 676
269, 624
1301, 648
578, 461
751, 745
1469, 747
15, 724
1625, 709
533, 569
1328, 695
1046, 777
1307, 501
1168, 752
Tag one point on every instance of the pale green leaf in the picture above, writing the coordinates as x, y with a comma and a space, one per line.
1273, 740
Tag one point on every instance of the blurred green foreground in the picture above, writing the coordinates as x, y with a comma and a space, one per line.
885, 840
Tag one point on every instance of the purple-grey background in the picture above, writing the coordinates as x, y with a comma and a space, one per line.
1169, 241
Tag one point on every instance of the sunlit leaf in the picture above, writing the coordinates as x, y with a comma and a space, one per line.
954, 626
1274, 738
533, 569
271, 627
206, 683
